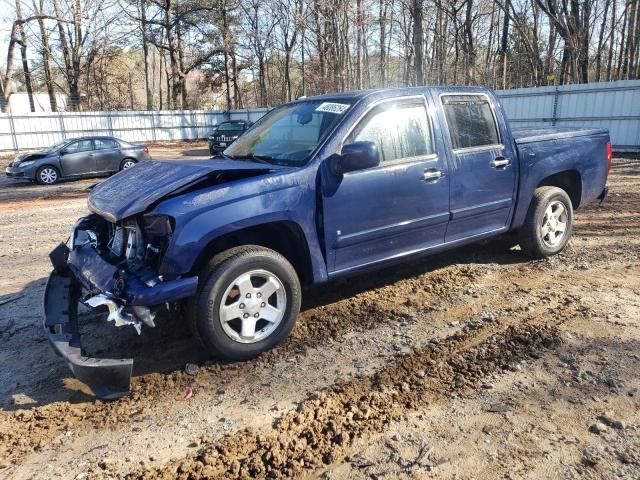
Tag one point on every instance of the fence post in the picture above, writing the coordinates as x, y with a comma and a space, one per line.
556, 94
110, 122
12, 127
153, 126
62, 129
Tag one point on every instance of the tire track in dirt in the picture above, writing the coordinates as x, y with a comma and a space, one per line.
31, 430
323, 427
40, 428
321, 430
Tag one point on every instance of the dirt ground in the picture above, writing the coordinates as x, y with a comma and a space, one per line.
476, 363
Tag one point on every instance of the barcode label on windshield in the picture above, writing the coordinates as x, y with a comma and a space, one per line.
329, 107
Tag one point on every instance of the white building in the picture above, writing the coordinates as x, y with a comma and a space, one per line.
19, 102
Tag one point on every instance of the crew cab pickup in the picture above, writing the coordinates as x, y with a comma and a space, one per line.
317, 189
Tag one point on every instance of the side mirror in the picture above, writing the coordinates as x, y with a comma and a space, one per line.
356, 156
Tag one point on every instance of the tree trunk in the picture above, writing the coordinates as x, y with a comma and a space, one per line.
603, 26
418, 40
382, 20
22, 41
145, 53
46, 55
504, 42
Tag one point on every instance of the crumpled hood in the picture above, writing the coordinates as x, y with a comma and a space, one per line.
26, 157
133, 190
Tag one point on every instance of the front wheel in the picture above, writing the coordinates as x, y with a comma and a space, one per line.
549, 223
47, 175
249, 301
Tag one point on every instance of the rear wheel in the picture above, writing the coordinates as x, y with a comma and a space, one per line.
127, 163
249, 301
47, 175
549, 223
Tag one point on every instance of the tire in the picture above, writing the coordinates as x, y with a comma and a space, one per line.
543, 234
252, 282
47, 175
127, 163
212, 152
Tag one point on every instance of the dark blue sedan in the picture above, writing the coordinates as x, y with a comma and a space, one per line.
77, 157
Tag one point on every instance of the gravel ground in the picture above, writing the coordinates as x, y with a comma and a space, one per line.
477, 363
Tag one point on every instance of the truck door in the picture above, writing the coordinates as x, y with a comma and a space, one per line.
483, 167
398, 207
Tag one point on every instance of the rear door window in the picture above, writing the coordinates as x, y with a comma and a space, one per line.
105, 144
470, 120
399, 130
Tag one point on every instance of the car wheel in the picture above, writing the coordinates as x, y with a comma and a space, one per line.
47, 175
127, 163
212, 152
248, 303
549, 223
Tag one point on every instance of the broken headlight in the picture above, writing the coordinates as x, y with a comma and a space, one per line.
157, 231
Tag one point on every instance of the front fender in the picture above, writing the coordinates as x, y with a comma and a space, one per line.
291, 203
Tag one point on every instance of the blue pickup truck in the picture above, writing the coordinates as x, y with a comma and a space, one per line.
317, 189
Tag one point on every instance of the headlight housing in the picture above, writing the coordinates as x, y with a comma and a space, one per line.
157, 231
26, 164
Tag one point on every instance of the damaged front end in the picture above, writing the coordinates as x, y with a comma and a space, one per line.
112, 265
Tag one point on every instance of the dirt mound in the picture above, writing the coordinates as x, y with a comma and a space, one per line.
321, 429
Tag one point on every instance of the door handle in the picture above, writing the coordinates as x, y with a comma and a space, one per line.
499, 162
432, 175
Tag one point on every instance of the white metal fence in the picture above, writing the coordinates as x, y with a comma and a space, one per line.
37, 130
612, 105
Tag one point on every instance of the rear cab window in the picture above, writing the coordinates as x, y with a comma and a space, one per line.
470, 121
400, 129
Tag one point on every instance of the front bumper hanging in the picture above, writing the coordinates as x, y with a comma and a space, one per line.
107, 378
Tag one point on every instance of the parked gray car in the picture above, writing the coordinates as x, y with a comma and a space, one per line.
77, 157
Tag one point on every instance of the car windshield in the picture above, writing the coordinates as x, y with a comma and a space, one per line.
228, 126
290, 134
56, 146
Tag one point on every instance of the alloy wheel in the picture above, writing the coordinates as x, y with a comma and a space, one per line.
252, 306
554, 224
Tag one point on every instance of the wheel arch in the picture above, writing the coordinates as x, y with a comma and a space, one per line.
568, 180
285, 237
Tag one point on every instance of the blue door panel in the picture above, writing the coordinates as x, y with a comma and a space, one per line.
383, 212
482, 195
483, 179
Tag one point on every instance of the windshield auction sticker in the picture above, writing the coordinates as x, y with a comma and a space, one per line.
329, 107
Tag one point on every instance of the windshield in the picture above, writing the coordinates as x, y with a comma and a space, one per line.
56, 146
289, 134
228, 126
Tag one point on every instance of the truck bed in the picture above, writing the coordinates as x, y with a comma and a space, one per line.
539, 134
